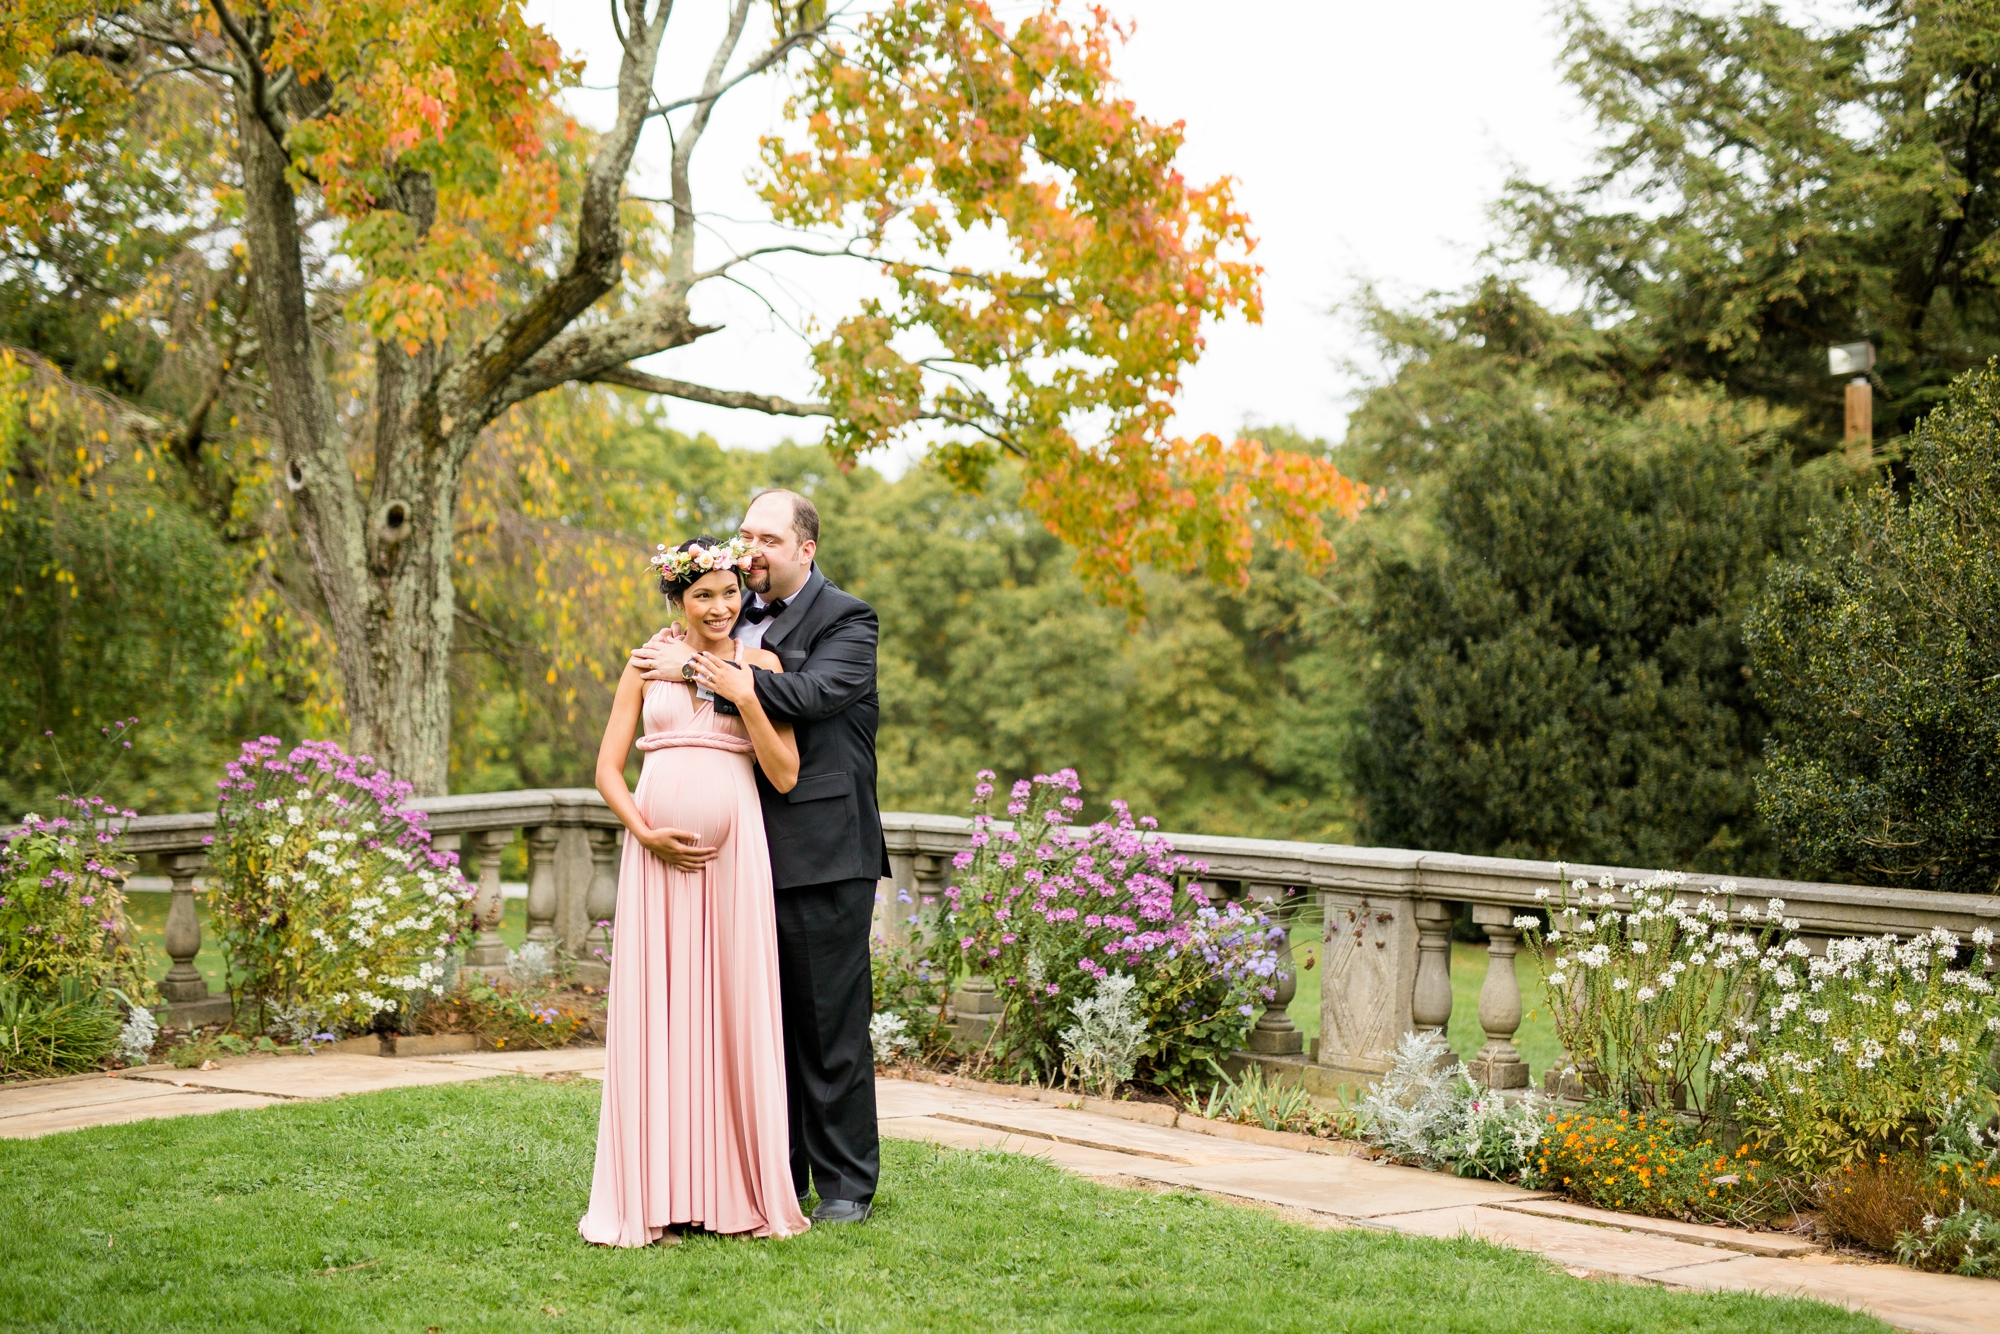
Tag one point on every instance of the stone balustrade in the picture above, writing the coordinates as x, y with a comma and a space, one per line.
1385, 917
572, 841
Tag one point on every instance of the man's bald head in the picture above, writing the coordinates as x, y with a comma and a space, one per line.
782, 528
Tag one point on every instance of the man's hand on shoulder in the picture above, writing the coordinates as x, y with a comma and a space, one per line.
661, 657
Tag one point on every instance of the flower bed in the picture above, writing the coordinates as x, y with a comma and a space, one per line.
1054, 913
1732, 1076
68, 955
335, 913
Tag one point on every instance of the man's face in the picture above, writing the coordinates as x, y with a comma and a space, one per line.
779, 562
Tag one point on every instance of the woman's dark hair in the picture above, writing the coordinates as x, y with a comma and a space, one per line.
676, 589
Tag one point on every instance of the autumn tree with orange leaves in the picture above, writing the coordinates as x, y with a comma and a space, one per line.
400, 189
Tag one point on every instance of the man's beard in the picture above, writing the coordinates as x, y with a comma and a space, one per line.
759, 580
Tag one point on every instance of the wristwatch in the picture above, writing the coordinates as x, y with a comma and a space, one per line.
687, 671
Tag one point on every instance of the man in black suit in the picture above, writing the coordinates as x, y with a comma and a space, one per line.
827, 850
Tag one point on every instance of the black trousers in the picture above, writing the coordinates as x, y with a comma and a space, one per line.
827, 996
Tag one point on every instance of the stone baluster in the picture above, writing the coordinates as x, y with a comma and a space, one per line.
1275, 1033
975, 1010
182, 984
928, 870
1498, 1065
600, 906
1430, 1000
487, 955
542, 884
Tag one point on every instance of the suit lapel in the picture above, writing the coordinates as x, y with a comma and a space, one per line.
795, 610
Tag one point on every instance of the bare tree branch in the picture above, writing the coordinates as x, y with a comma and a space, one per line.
252, 73
720, 398
470, 391
845, 252
785, 45
681, 263
772, 404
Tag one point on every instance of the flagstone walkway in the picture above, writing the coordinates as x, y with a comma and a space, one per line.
1314, 1183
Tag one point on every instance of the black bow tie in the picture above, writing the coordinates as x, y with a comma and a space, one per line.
756, 614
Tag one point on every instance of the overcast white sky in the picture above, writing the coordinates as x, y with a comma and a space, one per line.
1367, 140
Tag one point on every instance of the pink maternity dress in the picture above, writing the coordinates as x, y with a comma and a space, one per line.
693, 1125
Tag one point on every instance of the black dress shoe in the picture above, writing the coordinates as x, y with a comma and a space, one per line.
842, 1211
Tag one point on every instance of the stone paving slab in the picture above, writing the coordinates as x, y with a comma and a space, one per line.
57, 1095
318, 1076
1086, 1128
1098, 1163
171, 1102
574, 1060
1701, 1234
1931, 1303
1352, 1188
1599, 1250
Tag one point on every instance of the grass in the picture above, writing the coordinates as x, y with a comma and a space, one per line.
1536, 1038
454, 1208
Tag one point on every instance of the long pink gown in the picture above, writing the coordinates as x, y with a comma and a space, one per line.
693, 1125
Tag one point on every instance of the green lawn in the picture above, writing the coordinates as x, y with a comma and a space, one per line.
1536, 1038
454, 1208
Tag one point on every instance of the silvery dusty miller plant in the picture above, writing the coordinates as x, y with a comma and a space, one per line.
324, 887
888, 1035
136, 1038
532, 965
1645, 999
1871, 1046
1425, 1110
1419, 1102
1101, 1049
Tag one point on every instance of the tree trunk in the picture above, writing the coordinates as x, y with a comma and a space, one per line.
398, 673
382, 563
383, 566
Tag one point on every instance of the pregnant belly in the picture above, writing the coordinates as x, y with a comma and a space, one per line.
694, 789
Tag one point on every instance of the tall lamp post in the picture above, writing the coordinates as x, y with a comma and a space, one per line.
1856, 359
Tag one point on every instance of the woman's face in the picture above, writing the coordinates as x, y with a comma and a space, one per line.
712, 602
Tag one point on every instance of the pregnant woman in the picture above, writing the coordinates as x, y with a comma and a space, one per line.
692, 1130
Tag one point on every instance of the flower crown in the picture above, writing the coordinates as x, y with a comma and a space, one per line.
684, 565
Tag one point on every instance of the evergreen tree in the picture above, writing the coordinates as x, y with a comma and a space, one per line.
1878, 656
1562, 674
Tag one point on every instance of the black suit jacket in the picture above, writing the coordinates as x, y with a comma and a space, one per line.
828, 827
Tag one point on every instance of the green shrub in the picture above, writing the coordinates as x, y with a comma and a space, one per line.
68, 954
1877, 659
1562, 675
504, 1015
1254, 1101
332, 908
912, 988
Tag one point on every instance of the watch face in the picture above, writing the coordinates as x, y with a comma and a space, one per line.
687, 670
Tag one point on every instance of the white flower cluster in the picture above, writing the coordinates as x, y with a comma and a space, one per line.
361, 923
1647, 978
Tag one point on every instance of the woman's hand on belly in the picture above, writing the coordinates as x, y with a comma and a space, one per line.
678, 848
